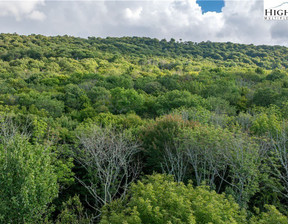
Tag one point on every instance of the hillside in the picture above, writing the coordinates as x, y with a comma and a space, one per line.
14, 46
126, 130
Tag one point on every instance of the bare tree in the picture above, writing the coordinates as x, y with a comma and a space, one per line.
8, 129
206, 162
203, 151
175, 161
220, 157
110, 160
243, 157
279, 161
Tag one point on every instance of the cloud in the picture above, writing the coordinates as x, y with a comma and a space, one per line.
36, 15
21, 9
239, 21
135, 14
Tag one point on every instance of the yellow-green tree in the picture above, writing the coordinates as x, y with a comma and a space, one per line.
28, 182
158, 199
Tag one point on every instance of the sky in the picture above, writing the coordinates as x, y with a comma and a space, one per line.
189, 20
211, 6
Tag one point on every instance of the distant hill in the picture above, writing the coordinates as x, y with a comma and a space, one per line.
14, 46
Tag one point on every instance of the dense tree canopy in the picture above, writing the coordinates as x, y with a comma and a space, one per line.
82, 120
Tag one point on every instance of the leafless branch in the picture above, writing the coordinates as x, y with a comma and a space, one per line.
110, 159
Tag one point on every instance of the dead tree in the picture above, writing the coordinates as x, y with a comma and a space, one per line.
205, 162
279, 161
110, 160
175, 161
243, 157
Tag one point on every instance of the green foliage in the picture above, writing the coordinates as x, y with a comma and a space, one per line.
28, 182
271, 216
100, 98
126, 100
158, 199
175, 99
265, 96
276, 74
155, 136
224, 103
75, 97
72, 213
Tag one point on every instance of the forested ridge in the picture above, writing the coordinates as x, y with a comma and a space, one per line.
140, 130
37, 47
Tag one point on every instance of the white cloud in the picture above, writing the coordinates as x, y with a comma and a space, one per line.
21, 9
133, 14
36, 15
239, 21
244, 23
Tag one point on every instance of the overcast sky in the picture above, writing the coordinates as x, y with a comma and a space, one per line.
238, 21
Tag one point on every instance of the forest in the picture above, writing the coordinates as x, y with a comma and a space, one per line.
138, 130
